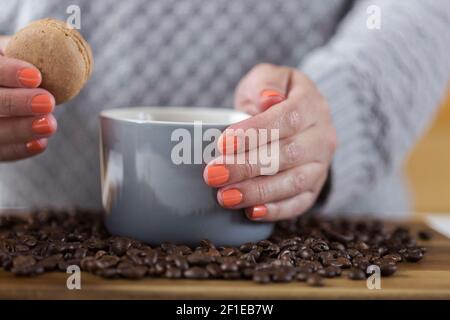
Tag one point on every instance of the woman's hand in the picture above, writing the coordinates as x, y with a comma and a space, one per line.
25, 111
279, 98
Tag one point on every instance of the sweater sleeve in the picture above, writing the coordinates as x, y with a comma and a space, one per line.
383, 85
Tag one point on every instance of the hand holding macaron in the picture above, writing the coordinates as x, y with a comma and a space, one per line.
284, 99
44, 64
26, 121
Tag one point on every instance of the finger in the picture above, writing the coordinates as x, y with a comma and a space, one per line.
265, 189
287, 208
25, 102
284, 209
16, 73
297, 113
264, 86
311, 146
17, 130
22, 150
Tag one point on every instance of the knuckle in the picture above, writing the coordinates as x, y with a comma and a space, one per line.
247, 169
293, 120
299, 181
7, 103
262, 192
292, 152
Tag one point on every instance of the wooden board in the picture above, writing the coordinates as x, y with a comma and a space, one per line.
428, 279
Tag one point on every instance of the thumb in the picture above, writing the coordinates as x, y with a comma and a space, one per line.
264, 86
3, 42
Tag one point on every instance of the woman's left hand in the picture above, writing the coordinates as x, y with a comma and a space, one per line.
284, 99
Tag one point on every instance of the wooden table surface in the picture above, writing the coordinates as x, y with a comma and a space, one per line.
428, 279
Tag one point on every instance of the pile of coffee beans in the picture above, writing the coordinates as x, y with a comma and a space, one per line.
308, 249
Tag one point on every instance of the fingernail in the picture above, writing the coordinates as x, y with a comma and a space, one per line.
271, 93
228, 143
256, 212
231, 197
42, 126
217, 175
34, 146
29, 77
41, 104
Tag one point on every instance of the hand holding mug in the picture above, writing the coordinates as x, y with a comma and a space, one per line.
285, 99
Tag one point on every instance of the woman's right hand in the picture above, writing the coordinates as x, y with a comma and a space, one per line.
26, 121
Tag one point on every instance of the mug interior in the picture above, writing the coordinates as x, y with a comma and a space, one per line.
176, 115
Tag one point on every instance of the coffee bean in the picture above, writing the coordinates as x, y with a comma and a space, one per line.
196, 273
181, 262
356, 274
151, 258
247, 247
261, 277
23, 261
229, 265
88, 264
199, 258
48, 240
133, 272
388, 269
230, 275
301, 276
172, 272
413, 255
28, 240
314, 280
119, 246
337, 246
341, 262
329, 272
50, 263
21, 248
206, 244
320, 245
80, 253
227, 251
107, 261
394, 257
306, 254
99, 254
424, 235
214, 270
107, 273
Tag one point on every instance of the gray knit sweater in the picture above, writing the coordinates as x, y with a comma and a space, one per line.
383, 85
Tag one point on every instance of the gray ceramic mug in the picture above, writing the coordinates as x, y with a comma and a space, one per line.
149, 196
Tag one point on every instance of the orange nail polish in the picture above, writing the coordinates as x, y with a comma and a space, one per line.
217, 175
34, 146
256, 211
29, 77
271, 93
231, 197
41, 126
228, 143
41, 104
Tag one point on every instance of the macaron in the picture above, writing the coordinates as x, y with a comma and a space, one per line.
61, 54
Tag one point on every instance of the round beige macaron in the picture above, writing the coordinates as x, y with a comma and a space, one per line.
59, 52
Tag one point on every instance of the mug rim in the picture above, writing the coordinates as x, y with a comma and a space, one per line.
119, 114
